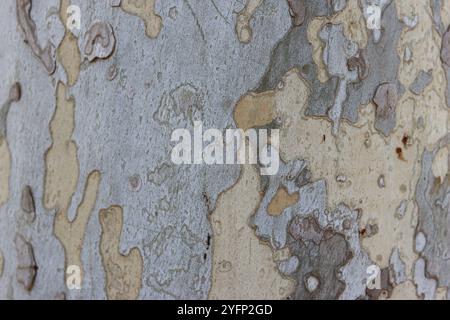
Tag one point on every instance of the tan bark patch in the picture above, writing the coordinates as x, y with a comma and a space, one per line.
61, 159
61, 179
281, 201
243, 267
254, 110
144, 9
123, 272
71, 233
5, 167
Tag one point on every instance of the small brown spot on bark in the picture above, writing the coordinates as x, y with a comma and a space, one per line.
399, 152
405, 140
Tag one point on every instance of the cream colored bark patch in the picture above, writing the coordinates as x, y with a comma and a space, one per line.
144, 9
123, 272
440, 164
243, 267
68, 52
404, 291
71, 233
61, 180
317, 47
254, 110
61, 159
5, 167
352, 18
441, 293
243, 30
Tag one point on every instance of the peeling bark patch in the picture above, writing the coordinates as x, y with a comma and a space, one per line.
15, 92
255, 110
436, 6
397, 268
385, 99
407, 55
341, 95
304, 137
433, 201
14, 96
422, 81
383, 64
312, 239
347, 157
311, 197
45, 55
243, 30
338, 50
123, 272
426, 287
70, 57
420, 242
295, 174
27, 203
410, 22
358, 63
99, 41
61, 179
294, 50
26, 263
321, 254
71, 233
250, 272
144, 9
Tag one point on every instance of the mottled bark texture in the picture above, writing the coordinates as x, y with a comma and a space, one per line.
93, 207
